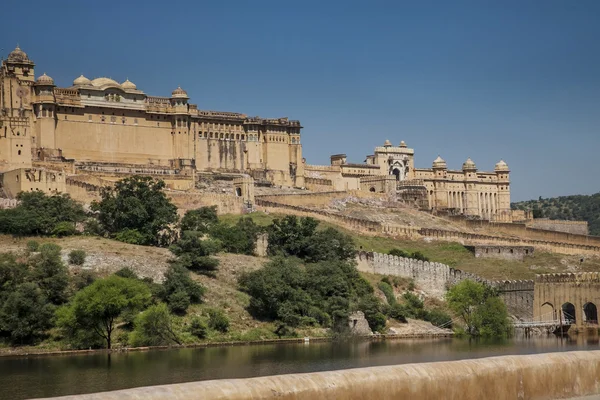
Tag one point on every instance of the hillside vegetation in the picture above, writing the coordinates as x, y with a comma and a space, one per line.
576, 208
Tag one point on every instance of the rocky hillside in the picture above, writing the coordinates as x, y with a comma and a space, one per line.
578, 208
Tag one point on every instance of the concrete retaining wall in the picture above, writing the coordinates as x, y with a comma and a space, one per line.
540, 376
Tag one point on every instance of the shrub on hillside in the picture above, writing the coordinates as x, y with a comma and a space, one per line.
198, 328
77, 257
33, 246
217, 320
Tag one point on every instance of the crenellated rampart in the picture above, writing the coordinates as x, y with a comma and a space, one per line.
8, 203
277, 204
435, 279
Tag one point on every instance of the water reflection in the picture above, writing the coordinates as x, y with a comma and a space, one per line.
22, 378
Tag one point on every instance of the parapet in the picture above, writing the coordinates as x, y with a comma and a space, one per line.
580, 277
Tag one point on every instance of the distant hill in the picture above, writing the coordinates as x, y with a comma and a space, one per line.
577, 208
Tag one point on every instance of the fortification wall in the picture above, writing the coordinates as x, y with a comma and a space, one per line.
538, 376
226, 203
435, 279
318, 185
373, 228
502, 252
527, 232
574, 227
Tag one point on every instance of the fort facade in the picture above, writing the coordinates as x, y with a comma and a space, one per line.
101, 123
467, 192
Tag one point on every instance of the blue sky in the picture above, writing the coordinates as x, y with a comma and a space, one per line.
518, 80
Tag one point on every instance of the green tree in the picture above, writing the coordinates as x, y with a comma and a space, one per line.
25, 314
155, 327
240, 238
299, 237
480, 308
136, 204
179, 289
199, 220
39, 214
50, 273
194, 253
97, 307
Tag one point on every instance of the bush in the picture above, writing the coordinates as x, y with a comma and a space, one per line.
126, 272
179, 302
194, 254
131, 236
77, 257
200, 220
32, 246
198, 328
240, 239
398, 312
155, 327
439, 318
63, 229
417, 255
388, 291
217, 320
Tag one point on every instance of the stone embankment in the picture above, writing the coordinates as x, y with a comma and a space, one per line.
539, 376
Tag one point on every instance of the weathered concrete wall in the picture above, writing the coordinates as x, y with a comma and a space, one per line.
539, 376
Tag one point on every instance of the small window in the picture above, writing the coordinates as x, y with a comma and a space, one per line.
19, 152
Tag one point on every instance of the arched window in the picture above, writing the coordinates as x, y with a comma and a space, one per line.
568, 313
591, 313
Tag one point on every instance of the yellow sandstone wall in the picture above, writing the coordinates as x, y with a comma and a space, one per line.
540, 376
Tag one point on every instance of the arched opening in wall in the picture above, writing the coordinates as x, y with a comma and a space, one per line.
591, 313
19, 152
568, 312
372, 189
396, 173
547, 312
238, 192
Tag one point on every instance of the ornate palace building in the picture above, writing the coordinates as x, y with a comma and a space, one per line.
100, 124
467, 192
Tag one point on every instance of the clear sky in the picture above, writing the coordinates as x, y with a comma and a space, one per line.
518, 80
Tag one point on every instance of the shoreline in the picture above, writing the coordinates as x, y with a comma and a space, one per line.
14, 352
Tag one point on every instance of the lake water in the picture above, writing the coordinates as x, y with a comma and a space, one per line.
46, 376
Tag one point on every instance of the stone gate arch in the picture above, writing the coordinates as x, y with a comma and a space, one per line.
547, 312
568, 313
590, 312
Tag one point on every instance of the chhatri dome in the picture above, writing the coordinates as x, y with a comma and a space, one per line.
45, 80
402, 144
18, 56
469, 165
439, 163
128, 85
501, 166
387, 143
100, 82
179, 93
82, 81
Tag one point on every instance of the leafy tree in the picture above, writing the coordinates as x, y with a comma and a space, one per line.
155, 327
97, 308
199, 220
179, 289
136, 204
217, 320
240, 238
194, 253
300, 238
39, 214
49, 272
12, 273
417, 255
77, 257
480, 308
25, 314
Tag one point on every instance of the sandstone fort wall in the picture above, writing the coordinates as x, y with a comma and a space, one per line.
574, 227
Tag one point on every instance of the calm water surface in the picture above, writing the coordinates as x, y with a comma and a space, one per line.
45, 376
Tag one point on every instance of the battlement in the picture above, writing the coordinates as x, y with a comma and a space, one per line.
580, 277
